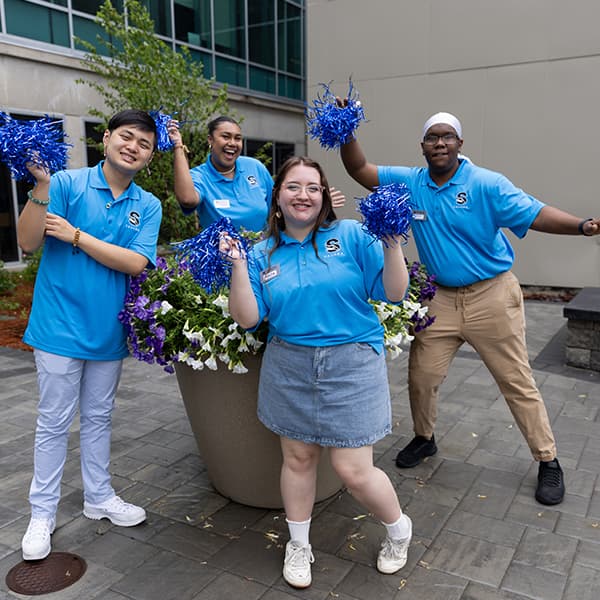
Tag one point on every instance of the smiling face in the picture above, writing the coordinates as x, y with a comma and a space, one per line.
300, 199
128, 149
226, 142
441, 146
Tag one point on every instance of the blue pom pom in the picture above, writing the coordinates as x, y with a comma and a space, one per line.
209, 268
331, 124
387, 211
39, 141
163, 141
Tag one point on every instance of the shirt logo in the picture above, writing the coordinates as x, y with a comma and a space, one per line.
251, 180
461, 198
332, 245
134, 218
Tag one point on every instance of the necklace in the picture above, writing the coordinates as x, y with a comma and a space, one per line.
226, 172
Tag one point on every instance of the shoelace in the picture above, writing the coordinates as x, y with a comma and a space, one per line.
38, 527
299, 558
551, 476
392, 549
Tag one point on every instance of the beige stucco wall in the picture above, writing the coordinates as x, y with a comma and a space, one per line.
521, 75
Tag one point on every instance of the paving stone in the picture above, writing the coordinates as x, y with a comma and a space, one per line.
491, 460
583, 584
226, 585
428, 518
533, 515
251, 555
588, 555
168, 478
166, 576
468, 557
546, 550
428, 584
367, 582
534, 583
492, 530
579, 528
486, 499
476, 591
191, 542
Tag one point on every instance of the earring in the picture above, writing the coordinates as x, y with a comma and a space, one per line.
278, 214
148, 172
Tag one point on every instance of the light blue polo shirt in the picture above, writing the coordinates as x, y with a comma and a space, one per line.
76, 299
457, 227
321, 300
245, 199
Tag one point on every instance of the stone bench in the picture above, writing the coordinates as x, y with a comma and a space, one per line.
583, 337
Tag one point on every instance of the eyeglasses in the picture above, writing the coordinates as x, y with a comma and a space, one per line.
448, 138
312, 189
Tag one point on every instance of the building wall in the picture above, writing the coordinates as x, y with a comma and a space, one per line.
521, 76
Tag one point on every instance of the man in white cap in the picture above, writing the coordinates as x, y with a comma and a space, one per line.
459, 212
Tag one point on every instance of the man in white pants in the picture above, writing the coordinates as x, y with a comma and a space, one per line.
98, 228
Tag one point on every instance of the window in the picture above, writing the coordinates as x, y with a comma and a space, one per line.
250, 44
94, 155
278, 152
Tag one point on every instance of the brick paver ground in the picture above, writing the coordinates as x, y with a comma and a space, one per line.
478, 532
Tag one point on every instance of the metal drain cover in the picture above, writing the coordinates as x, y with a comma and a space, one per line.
55, 572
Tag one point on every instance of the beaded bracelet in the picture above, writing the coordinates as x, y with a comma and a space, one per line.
76, 236
183, 147
35, 200
580, 227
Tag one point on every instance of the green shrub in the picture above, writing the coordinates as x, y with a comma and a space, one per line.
7, 282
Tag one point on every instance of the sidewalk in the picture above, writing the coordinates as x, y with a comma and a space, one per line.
478, 532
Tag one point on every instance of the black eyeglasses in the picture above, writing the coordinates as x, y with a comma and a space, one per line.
448, 138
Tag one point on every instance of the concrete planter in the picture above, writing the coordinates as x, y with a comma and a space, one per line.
243, 458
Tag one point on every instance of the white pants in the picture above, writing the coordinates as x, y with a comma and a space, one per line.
67, 384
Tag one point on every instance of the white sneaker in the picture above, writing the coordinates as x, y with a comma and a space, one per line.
296, 566
115, 510
394, 553
36, 541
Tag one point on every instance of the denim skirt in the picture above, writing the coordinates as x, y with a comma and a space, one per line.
335, 396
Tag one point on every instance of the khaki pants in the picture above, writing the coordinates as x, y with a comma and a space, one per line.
489, 315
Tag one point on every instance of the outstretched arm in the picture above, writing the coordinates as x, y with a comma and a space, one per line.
554, 220
185, 192
242, 303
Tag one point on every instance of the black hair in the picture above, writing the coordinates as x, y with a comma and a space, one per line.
216, 122
133, 116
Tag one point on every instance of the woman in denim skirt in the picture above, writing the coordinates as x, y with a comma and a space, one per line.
323, 381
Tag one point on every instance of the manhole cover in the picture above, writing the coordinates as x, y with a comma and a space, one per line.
56, 572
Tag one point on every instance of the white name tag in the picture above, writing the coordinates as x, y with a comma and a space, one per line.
269, 274
419, 215
221, 203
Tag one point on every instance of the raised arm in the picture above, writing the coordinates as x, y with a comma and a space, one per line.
32, 220
554, 220
242, 303
395, 274
356, 165
185, 192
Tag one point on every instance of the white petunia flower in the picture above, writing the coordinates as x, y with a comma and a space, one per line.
211, 363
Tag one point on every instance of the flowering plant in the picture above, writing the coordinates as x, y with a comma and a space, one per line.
400, 321
170, 318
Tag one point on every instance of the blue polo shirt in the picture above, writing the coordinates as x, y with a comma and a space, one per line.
245, 199
457, 227
76, 299
321, 300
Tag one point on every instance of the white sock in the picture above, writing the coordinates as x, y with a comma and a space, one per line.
299, 531
399, 530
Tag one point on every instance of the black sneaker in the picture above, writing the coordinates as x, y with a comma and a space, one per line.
551, 484
415, 452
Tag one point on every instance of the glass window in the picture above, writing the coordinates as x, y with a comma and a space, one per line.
291, 87
91, 6
93, 137
282, 152
230, 71
192, 22
203, 57
87, 30
8, 230
37, 22
289, 39
230, 20
278, 152
262, 80
160, 11
261, 32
